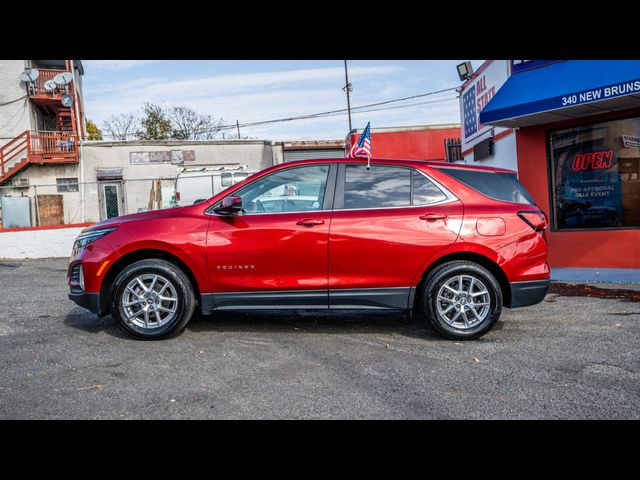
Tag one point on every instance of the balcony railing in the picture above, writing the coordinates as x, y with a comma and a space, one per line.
37, 87
61, 144
37, 147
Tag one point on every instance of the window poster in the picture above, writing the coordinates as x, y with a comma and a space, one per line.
588, 188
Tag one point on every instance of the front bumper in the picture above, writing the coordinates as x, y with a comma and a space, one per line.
528, 293
90, 301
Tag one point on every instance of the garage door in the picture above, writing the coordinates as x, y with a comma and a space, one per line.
291, 155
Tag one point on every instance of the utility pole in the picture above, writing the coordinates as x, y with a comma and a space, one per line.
238, 127
348, 88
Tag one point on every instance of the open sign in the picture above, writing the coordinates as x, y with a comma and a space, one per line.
592, 160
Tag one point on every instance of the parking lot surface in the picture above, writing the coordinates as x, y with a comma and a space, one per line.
571, 357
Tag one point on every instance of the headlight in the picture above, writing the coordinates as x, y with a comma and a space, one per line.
86, 238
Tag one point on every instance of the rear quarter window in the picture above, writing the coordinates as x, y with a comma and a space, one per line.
501, 186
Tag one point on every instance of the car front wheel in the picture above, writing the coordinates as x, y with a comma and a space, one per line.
152, 299
462, 299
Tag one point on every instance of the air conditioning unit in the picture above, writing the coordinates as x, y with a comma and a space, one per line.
20, 182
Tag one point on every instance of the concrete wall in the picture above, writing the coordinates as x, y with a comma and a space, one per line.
255, 154
47, 243
42, 181
43, 174
15, 118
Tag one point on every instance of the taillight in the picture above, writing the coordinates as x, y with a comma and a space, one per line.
535, 219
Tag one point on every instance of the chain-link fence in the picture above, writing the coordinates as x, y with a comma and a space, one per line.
69, 202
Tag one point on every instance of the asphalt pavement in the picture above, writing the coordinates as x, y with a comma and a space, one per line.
571, 357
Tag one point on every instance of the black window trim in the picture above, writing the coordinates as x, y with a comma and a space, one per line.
327, 204
338, 204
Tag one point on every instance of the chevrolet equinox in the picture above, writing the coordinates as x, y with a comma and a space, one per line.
453, 242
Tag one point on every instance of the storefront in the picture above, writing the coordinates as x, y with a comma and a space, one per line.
577, 129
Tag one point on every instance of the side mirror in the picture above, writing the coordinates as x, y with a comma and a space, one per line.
229, 206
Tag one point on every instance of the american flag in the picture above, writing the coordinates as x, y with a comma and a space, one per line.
362, 148
470, 119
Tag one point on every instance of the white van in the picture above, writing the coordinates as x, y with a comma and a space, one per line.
197, 185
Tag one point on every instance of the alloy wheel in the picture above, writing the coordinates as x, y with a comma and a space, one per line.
149, 301
463, 302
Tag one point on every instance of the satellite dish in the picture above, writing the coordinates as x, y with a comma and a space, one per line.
29, 75
63, 78
49, 86
67, 100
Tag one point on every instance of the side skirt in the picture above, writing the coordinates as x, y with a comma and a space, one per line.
392, 298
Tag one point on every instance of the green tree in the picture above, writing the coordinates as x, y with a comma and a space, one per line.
93, 132
155, 125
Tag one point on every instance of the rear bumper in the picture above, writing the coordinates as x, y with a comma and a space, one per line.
528, 293
90, 301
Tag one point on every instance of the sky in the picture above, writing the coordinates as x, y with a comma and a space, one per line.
257, 90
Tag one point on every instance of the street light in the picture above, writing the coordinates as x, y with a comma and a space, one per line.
465, 70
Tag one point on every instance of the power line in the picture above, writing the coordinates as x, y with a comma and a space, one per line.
358, 110
329, 113
12, 101
333, 114
342, 110
448, 99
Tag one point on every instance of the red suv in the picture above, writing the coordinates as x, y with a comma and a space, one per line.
454, 242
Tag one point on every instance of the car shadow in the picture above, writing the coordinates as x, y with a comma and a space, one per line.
325, 322
281, 321
91, 323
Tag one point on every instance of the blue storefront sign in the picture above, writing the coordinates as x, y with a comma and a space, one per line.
561, 85
593, 95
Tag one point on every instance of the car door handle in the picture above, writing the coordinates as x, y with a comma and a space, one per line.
430, 217
309, 222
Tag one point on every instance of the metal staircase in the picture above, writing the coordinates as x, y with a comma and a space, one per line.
42, 147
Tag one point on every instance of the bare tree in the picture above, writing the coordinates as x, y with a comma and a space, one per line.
187, 124
120, 127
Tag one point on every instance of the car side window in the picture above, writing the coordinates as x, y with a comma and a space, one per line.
378, 187
424, 191
299, 189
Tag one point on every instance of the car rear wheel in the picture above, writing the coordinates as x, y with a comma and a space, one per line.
152, 299
462, 300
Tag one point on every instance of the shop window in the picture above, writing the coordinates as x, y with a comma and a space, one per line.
596, 175
67, 184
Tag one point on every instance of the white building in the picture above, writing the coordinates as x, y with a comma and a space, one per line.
485, 144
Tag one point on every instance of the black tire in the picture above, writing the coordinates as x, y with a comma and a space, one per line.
445, 273
186, 300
